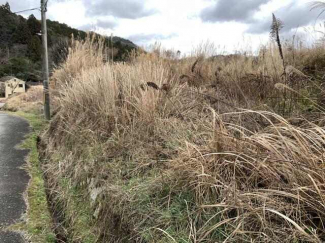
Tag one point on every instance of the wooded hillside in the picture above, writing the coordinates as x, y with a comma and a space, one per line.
21, 45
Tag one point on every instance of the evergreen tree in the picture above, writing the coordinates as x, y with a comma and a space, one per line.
22, 34
34, 25
35, 49
6, 7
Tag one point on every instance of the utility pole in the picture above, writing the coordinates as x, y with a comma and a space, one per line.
45, 62
112, 48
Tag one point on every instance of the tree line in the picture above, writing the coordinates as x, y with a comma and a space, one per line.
21, 44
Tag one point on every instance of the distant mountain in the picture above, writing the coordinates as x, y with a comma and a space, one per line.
21, 45
124, 41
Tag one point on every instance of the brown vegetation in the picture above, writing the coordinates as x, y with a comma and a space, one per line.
163, 149
31, 101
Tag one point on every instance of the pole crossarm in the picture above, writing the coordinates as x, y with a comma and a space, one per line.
44, 5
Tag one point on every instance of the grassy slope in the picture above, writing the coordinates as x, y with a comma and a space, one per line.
38, 223
208, 174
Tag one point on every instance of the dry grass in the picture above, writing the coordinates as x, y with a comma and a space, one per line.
266, 185
169, 150
31, 101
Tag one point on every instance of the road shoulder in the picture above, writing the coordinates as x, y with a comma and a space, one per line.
38, 223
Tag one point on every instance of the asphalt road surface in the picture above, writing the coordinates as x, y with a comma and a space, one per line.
13, 179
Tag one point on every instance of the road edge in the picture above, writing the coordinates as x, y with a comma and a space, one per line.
37, 225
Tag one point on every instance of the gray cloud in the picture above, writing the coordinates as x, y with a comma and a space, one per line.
145, 38
105, 24
292, 16
231, 10
128, 9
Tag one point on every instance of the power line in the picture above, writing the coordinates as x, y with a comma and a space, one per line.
26, 10
22, 11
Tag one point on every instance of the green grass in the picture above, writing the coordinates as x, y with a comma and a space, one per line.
79, 210
38, 225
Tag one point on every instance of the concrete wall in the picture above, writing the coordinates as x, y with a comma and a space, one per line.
15, 86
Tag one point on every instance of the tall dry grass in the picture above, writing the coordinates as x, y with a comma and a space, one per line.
179, 150
31, 101
265, 186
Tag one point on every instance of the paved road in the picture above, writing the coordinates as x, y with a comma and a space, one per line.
13, 179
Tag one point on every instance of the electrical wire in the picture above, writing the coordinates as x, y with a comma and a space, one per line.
45, 5
26, 10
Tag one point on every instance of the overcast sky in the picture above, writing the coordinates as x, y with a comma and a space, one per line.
181, 24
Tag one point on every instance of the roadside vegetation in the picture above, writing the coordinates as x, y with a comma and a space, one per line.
30, 102
206, 148
37, 225
163, 148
